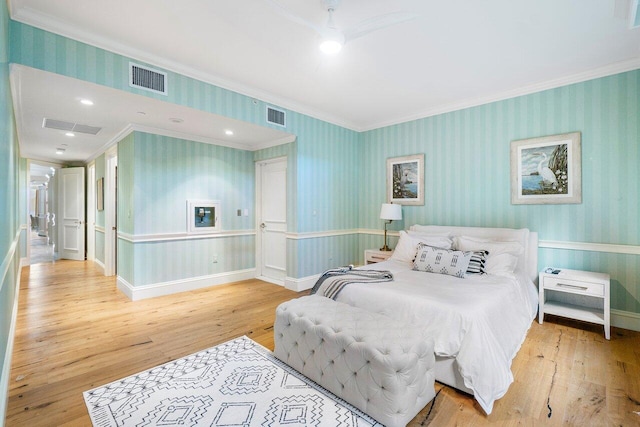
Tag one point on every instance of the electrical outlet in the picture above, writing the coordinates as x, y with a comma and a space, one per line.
239, 212
215, 259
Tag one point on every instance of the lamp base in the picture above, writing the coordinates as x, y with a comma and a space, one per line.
386, 248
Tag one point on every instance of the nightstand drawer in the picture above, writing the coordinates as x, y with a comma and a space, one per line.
574, 286
372, 256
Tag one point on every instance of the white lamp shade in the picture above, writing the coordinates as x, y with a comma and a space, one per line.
391, 212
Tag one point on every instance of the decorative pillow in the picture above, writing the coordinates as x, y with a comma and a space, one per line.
477, 262
407, 246
442, 261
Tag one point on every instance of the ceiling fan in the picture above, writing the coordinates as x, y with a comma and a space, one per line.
333, 38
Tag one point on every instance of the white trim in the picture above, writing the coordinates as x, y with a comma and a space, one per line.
625, 320
110, 202
163, 237
271, 280
136, 293
133, 127
11, 253
37, 19
594, 247
100, 229
301, 284
99, 264
6, 367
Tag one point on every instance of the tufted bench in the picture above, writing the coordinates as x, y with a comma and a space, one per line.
379, 365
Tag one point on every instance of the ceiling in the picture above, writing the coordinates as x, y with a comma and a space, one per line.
455, 54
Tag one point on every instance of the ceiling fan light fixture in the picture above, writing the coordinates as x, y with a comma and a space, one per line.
330, 46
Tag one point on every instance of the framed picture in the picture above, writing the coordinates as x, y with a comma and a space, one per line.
203, 216
100, 194
546, 170
405, 180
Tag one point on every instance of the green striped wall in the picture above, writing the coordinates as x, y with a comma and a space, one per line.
100, 215
13, 220
157, 175
338, 176
467, 172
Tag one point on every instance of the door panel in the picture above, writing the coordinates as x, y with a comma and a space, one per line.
273, 221
71, 213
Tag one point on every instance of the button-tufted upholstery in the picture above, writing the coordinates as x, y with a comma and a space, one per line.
379, 365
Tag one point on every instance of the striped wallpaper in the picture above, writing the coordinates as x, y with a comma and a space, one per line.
467, 172
13, 208
337, 176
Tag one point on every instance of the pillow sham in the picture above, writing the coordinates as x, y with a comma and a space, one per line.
407, 246
502, 258
442, 261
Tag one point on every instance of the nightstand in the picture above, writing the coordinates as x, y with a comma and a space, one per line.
584, 284
372, 256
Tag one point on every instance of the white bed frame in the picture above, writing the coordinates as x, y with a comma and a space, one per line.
446, 367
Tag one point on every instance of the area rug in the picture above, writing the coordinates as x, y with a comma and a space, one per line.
237, 383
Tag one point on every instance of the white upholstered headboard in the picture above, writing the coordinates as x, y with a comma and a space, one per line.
528, 261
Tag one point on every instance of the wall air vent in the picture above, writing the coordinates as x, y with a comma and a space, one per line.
146, 78
276, 117
69, 126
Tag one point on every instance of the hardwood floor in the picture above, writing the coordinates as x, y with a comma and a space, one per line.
75, 331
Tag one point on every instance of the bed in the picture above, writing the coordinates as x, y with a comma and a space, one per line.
478, 322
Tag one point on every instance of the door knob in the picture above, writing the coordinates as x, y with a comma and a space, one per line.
263, 225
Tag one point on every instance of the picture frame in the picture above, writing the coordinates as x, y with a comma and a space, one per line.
547, 170
405, 180
203, 216
100, 194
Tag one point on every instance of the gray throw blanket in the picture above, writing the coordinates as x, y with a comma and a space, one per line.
333, 281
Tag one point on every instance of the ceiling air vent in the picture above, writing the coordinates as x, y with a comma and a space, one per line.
69, 126
147, 78
275, 116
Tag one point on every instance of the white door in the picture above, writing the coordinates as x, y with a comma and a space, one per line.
91, 212
272, 220
71, 213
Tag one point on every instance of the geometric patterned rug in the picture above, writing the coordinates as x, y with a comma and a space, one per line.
237, 383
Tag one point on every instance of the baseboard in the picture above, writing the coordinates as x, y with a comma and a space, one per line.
301, 284
99, 264
136, 293
5, 377
625, 320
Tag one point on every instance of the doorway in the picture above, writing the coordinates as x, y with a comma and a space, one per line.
271, 216
42, 209
111, 209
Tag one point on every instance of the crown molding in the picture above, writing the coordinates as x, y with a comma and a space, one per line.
47, 22
608, 70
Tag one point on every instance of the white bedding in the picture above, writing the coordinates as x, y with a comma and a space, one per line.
480, 320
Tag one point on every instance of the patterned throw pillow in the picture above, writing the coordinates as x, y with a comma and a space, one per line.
477, 263
442, 261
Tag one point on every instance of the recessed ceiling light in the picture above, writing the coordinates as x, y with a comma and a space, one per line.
228, 132
176, 120
59, 150
86, 101
70, 134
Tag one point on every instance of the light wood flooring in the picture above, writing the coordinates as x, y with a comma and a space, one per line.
75, 331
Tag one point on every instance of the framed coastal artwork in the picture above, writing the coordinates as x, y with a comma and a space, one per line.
405, 180
546, 170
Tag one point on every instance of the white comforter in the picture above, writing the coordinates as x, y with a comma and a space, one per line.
480, 320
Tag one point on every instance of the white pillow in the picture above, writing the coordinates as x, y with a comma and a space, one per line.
442, 261
503, 256
438, 240
407, 246
501, 264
